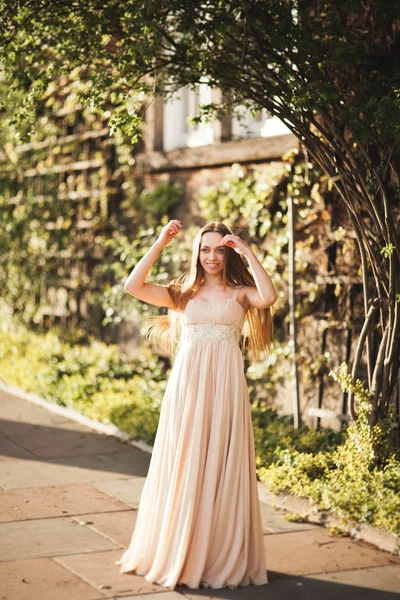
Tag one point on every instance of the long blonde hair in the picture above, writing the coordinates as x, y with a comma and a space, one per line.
165, 329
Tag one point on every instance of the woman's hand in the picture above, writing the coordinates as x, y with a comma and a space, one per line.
234, 241
168, 232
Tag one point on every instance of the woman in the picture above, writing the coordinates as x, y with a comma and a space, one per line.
199, 521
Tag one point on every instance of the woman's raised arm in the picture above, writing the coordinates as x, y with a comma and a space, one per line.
136, 283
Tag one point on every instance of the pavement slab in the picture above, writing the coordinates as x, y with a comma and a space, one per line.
317, 551
171, 595
49, 537
9, 450
55, 501
128, 491
116, 526
62, 442
384, 578
283, 587
38, 425
19, 414
99, 467
133, 462
273, 521
42, 579
35, 473
40, 472
99, 569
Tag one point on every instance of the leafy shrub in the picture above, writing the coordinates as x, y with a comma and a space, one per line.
95, 379
358, 480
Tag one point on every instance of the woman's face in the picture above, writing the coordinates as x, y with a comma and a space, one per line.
211, 253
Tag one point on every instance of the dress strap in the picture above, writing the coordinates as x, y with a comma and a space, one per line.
236, 292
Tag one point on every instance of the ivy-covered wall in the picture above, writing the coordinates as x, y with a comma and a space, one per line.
75, 217
70, 211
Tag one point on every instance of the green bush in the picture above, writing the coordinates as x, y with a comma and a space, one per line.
358, 480
95, 379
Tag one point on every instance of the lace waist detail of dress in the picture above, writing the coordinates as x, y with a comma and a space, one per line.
214, 331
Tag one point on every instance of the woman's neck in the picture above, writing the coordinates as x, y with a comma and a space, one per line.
212, 283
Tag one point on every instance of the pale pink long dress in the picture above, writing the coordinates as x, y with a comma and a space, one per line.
199, 520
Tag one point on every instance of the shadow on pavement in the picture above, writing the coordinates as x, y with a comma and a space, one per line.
287, 587
76, 446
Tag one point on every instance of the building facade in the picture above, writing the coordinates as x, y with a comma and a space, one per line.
201, 154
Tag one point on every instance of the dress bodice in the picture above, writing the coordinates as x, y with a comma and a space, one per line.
220, 320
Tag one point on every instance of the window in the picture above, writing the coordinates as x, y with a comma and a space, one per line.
177, 132
262, 124
184, 105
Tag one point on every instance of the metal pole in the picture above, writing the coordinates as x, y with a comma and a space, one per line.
292, 308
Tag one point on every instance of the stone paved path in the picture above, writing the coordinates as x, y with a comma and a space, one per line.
68, 501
